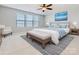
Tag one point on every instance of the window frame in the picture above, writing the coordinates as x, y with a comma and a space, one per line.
26, 21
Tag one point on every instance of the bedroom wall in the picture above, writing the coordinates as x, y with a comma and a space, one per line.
73, 12
8, 18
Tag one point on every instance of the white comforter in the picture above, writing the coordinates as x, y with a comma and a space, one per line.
54, 34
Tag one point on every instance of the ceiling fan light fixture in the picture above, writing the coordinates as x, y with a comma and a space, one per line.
43, 8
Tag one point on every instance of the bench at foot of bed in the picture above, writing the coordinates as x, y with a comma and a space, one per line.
42, 38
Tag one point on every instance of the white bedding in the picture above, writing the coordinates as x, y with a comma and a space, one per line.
53, 33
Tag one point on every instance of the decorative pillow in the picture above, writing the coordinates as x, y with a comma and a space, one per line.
63, 26
59, 25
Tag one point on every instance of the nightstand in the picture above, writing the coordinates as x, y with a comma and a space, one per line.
74, 31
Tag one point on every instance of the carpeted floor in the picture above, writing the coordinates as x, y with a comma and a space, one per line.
51, 49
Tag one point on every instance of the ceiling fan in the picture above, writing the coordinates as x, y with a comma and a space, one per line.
45, 7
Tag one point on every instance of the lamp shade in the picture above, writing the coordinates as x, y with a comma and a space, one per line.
75, 23
47, 23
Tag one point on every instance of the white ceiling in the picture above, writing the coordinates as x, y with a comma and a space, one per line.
34, 7
27, 7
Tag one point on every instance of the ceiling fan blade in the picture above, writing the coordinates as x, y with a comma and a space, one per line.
44, 5
49, 8
49, 5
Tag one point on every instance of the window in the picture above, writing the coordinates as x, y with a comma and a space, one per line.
27, 20
20, 20
36, 21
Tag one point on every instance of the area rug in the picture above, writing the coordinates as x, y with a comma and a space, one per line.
51, 49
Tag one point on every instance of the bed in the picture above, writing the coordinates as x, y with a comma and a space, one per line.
56, 35
57, 32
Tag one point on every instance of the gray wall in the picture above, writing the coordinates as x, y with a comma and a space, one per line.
8, 18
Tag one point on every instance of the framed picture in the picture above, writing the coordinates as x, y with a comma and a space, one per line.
61, 16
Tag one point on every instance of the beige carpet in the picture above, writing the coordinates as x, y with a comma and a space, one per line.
73, 47
16, 45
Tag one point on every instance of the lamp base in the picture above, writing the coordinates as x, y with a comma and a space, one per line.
74, 31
